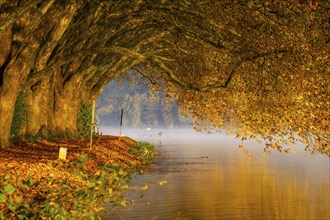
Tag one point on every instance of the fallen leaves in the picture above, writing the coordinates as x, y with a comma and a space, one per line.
34, 182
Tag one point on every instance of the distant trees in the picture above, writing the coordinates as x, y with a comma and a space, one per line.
259, 69
140, 110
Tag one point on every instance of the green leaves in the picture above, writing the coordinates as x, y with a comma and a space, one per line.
84, 156
84, 120
20, 115
2, 197
29, 182
144, 150
9, 189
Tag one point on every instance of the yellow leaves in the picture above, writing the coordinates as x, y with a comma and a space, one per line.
162, 182
268, 88
300, 98
313, 4
247, 153
121, 172
70, 185
124, 187
325, 122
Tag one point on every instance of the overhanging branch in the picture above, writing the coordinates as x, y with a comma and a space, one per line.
146, 76
207, 88
80, 54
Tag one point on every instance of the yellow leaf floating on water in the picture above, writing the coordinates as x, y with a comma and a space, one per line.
144, 187
162, 182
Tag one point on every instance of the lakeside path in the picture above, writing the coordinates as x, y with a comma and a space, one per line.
34, 183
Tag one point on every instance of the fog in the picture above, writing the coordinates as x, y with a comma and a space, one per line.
210, 177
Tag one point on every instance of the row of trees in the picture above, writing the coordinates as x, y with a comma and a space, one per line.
141, 110
257, 68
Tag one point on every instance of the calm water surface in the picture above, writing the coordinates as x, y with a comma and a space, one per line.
209, 177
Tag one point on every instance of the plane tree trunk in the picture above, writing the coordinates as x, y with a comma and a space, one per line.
40, 96
28, 43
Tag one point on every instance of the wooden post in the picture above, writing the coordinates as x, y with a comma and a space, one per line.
92, 125
121, 123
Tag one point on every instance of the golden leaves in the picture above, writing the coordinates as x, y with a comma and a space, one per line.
52, 187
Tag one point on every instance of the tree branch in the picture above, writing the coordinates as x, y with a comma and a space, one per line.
207, 88
145, 76
14, 16
67, 59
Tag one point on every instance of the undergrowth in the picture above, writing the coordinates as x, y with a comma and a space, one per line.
84, 121
20, 116
82, 191
144, 151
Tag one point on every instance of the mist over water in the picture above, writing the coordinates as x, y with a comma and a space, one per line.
209, 177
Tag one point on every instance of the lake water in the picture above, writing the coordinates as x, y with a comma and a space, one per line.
209, 177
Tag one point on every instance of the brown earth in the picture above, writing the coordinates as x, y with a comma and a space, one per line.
34, 158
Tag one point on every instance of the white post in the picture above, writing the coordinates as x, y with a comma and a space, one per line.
92, 125
62, 154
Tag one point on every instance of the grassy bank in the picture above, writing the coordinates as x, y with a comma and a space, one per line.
34, 184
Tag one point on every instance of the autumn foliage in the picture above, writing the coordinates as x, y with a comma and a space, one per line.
259, 69
34, 184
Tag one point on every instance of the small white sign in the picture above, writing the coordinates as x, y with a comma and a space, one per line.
62, 154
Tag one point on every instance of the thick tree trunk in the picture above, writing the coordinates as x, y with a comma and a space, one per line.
66, 108
5, 45
7, 104
53, 108
15, 73
37, 101
7, 100
66, 112
40, 101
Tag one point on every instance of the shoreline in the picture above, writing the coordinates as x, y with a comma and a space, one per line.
34, 183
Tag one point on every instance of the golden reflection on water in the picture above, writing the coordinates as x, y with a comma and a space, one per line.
252, 191
232, 186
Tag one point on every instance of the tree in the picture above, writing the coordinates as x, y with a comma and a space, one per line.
257, 69
149, 113
259, 66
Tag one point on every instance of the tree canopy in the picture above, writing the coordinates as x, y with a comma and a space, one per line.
259, 69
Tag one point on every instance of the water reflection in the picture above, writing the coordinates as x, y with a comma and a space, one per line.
211, 180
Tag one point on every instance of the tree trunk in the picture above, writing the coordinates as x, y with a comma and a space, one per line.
66, 108
37, 101
6, 105
40, 101
5, 45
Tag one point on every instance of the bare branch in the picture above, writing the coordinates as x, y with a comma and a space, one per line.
146, 76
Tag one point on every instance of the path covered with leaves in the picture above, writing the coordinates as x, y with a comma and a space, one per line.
34, 183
